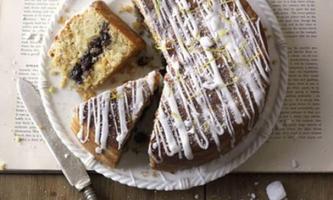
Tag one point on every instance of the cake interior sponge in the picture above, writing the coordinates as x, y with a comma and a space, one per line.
92, 46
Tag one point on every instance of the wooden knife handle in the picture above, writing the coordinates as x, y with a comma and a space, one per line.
88, 193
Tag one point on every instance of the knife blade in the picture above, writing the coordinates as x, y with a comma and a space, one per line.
72, 168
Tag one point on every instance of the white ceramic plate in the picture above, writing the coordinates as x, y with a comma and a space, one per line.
133, 169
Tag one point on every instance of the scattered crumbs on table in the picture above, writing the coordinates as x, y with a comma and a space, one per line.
61, 20
294, 164
276, 191
256, 183
17, 139
196, 196
2, 165
66, 155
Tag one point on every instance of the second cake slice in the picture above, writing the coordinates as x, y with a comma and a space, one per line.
93, 45
103, 123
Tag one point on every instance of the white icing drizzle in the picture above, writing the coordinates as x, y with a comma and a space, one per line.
122, 115
202, 37
109, 112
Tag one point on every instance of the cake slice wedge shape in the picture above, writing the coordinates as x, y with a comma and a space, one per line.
103, 124
92, 46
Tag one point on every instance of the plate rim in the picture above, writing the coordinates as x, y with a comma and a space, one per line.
182, 183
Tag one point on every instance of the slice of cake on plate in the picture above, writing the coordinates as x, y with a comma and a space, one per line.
103, 123
216, 82
92, 46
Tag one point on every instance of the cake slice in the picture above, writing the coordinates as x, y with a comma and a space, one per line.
92, 46
217, 78
103, 123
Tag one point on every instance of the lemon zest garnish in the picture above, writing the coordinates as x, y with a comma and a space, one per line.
115, 96
157, 5
51, 90
176, 116
223, 32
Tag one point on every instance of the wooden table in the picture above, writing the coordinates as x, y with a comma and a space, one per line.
234, 186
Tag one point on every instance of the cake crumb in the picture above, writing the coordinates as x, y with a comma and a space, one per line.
2, 165
54, 72
252, 196
17, 139
51, 90
66, 155
256, 183
61, 20
294, 164
126, 8
196, 196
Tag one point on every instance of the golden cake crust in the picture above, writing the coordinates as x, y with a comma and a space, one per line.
109, 157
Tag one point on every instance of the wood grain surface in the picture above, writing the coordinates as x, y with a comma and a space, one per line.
234, 186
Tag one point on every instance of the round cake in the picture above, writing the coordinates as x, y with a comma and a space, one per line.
216, 82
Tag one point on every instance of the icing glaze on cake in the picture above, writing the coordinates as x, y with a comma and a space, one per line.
216, 82
103, 123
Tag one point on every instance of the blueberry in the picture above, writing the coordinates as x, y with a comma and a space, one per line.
86, 62
95, 51
105, 39
76, 74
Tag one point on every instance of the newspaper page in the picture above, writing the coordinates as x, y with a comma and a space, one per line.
301, 140
22, 24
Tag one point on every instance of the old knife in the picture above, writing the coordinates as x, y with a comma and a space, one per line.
72, 168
